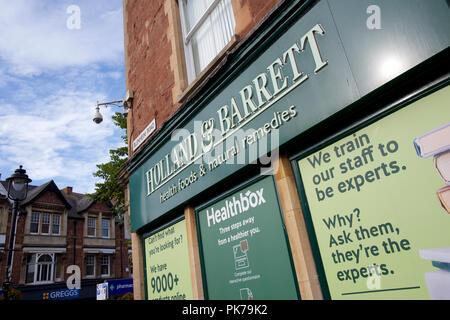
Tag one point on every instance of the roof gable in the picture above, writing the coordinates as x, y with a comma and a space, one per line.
37, 192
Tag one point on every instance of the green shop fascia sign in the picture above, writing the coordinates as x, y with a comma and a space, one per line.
274, 90
244, 249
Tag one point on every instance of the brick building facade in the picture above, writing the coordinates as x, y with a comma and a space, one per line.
59, 228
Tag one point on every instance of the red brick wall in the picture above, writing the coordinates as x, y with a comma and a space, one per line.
99, 207
148, 53
248, 13
118, 266
148, 56
18, 255
69, 257
121, 256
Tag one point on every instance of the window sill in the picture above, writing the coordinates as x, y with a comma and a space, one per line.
45, 236
99, 238
39, 283
209, 69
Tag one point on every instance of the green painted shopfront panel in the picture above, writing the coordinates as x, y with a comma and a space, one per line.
244, 248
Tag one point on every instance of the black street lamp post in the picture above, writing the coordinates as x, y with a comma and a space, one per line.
17, 191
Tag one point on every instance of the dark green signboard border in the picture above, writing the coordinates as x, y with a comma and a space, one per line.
224, 195
357, 125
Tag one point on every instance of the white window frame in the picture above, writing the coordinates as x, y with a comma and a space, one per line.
95, 226
38, 267
109, 227
38, 214
46, 214
93, 266
108, 264
58, 224
188, 34
52, 217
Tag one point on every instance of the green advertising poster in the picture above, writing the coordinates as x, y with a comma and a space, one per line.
167, 266
245, 251
381, 230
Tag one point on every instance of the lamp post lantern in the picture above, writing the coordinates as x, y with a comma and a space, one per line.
17, 191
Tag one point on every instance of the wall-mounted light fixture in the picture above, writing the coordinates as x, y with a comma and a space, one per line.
126, 104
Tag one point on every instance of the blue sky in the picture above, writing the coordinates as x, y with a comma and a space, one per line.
54, 67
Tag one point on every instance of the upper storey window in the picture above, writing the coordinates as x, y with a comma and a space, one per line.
208, 26
105, 228
45, 223
91, 226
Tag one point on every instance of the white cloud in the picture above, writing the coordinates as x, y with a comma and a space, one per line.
58, 138
35, 37
50, 79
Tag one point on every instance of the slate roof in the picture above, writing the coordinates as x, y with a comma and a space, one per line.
76, 203
35, 192
80, 203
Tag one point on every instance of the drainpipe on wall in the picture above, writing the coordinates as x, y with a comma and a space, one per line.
121, 250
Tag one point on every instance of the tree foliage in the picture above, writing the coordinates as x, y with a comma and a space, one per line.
109, 189
13, 294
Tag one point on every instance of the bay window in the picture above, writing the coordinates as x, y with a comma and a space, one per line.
45, 223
